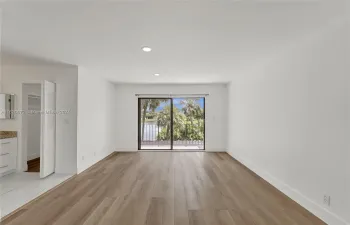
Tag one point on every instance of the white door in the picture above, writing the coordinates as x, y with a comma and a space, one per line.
48, 129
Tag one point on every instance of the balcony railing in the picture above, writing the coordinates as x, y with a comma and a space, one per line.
150, 138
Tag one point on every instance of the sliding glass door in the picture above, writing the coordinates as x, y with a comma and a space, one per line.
171, 123
188, 123
155, 123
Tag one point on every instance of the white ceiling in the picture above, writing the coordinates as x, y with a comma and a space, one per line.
192, 42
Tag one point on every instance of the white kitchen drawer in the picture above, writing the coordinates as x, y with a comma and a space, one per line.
7, 162
7, 169
6, 146
4, 169
5, 159
8, 155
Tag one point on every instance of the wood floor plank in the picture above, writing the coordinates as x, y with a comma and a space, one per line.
96, 216
155, 212
225, 218
165, 188
196, 217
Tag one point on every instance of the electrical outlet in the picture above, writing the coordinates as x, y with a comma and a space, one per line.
327, 200
94, 153
82, 157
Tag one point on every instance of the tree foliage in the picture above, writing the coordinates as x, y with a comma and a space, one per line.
188, 123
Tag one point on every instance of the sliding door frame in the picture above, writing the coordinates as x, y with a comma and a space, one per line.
204, 124
171, 124
139, 121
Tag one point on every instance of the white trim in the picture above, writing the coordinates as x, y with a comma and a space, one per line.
126, 150
322, 213
216, 150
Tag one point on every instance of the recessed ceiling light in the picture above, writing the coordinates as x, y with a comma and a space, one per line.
146, 49
157, 74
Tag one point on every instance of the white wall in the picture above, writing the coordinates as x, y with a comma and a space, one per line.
33, 120
126, 112
95, 116
289, 121
17, 70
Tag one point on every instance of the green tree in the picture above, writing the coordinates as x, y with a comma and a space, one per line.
164, 121
188, 123
193, 111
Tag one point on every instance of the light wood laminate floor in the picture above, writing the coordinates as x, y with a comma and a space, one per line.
169, 188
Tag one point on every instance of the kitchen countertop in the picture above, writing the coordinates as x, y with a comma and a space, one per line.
8, 134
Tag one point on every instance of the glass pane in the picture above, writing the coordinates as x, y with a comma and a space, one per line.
155, 126
188, 114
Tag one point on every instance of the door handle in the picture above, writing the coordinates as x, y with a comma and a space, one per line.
4, 154
5, 143
1, 167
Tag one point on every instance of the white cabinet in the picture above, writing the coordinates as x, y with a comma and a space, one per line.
8, 156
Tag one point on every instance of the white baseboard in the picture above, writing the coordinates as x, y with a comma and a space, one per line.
322, 213
216, 150
93, 163
126, 150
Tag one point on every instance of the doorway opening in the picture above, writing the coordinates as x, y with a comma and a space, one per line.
33, 131
171, 123
38, 151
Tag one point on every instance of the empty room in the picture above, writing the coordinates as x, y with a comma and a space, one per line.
184, 112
